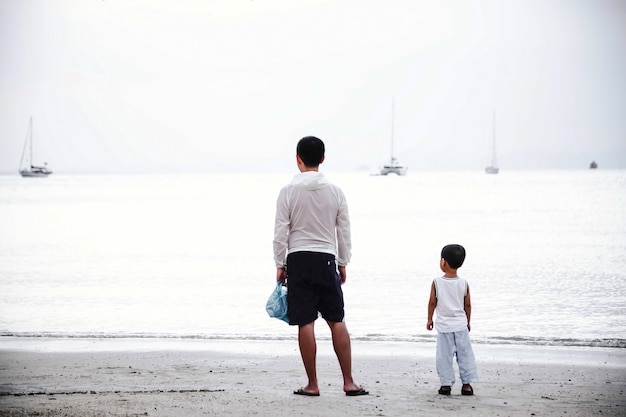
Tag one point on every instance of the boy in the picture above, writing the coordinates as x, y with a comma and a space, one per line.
450, 298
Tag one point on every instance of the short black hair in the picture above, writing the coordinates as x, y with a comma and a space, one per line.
454, 255
311, 150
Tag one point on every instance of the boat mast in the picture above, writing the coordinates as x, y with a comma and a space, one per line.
30, 140
28, 144
393, 101
493, 155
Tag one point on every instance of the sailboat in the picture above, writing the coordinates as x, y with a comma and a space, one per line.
27, 169
493, 168
393, 167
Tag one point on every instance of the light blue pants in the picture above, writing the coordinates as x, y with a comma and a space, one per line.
449, 345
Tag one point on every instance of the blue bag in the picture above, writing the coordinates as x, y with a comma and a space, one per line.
277, 303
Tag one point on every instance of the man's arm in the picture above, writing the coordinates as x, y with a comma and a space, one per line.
344, 239
281, 232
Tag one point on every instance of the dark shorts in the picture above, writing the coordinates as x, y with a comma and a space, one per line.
314, 286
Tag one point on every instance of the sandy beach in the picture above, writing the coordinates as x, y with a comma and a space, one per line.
221, 378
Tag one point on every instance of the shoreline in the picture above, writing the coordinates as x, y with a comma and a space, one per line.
589, 355
197, 378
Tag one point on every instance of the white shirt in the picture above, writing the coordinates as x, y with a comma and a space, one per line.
312, 215
450, 293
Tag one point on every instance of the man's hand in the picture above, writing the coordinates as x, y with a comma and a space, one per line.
429, 325
342, 274
280, 274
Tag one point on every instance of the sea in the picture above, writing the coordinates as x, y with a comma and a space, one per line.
189, 256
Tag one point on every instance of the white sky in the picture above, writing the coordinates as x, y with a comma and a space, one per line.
231, 85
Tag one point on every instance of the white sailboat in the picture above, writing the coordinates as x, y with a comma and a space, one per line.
493, 167
27, 169
393, 167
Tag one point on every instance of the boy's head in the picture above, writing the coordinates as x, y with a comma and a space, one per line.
454, 255
311, 151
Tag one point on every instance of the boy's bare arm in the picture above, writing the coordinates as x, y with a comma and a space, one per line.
432, 303
468, 308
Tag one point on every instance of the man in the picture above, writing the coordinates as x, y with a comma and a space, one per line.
311, 250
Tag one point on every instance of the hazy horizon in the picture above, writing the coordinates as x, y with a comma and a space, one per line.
231, 85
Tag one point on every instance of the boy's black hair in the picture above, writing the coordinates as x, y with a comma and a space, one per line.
311, 150
454, 255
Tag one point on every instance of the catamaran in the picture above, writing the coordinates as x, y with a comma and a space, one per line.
393, 167
493, 168
27, 169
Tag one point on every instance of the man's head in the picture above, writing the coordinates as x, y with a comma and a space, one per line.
311, 151
454, 255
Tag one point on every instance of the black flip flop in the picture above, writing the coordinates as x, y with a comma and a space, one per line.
445, 390
357, 392
305, 393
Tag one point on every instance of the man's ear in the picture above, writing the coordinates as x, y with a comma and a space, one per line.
323, 156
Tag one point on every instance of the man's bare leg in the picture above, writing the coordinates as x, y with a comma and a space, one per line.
343, 350
308, 351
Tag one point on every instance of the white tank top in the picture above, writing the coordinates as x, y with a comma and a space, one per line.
450, 309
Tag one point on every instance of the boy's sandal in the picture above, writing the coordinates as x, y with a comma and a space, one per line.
467, 390
445, 390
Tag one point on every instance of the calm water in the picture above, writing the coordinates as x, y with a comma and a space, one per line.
191, 255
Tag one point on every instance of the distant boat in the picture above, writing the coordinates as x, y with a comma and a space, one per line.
593, 165
27, 169
393, 167
493, 168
